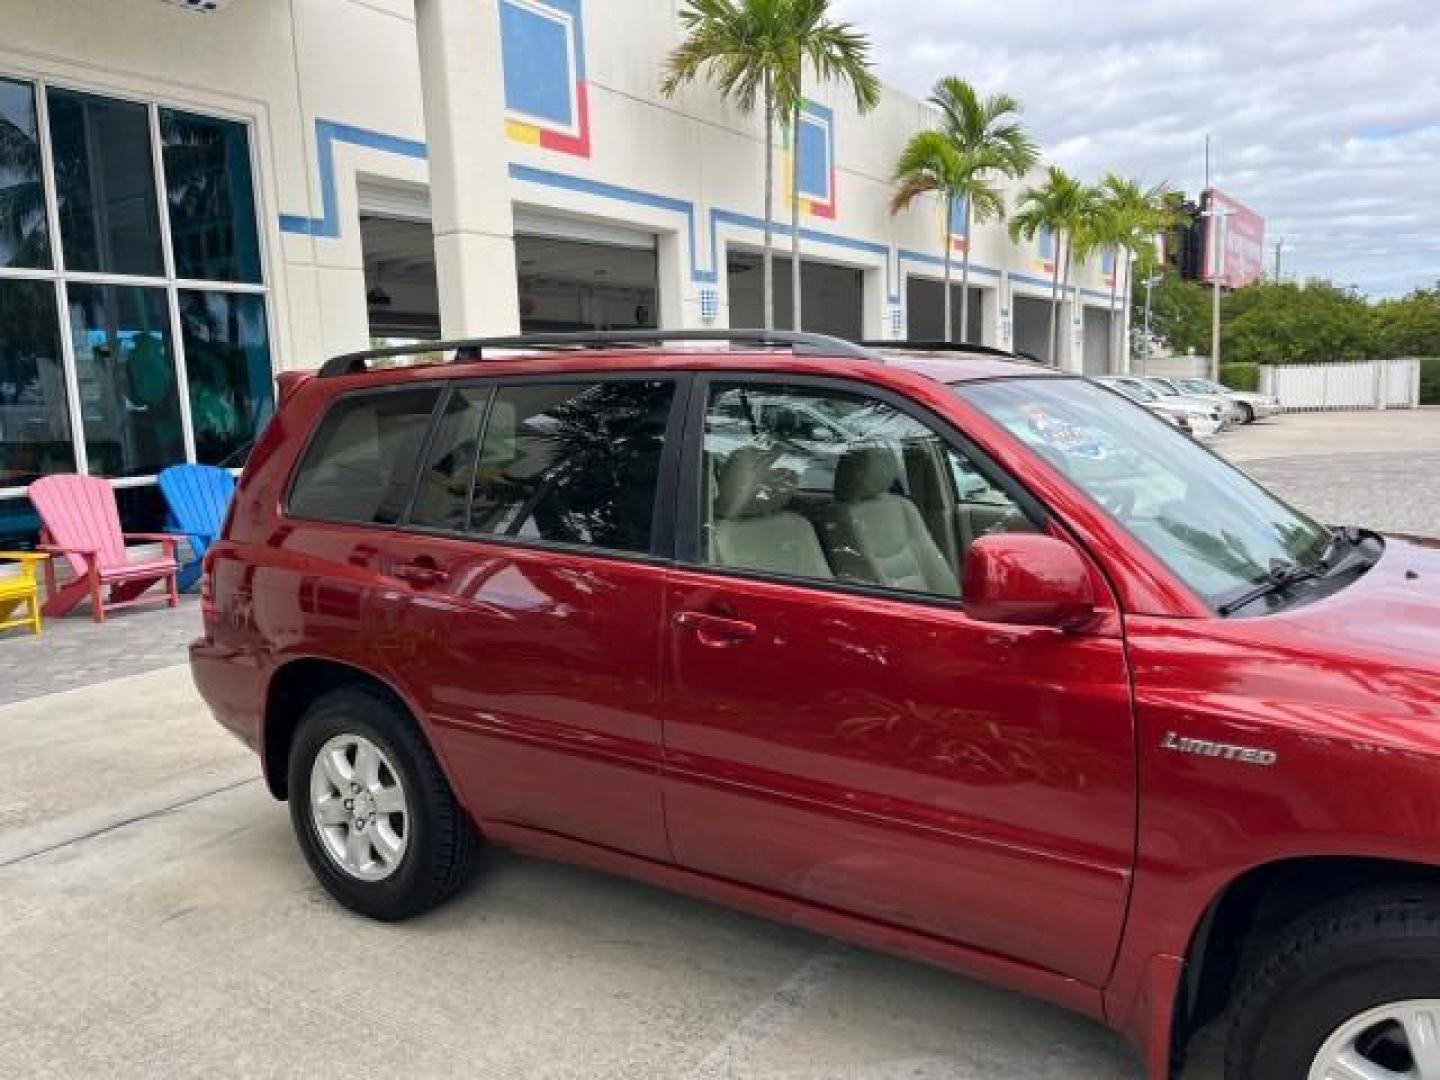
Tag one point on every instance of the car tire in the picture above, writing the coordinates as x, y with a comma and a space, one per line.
419, 846
1247, 414
1348, 979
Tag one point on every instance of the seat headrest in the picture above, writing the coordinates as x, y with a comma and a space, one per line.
865, 472
751, 486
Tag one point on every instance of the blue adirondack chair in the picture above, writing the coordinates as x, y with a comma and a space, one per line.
198, 496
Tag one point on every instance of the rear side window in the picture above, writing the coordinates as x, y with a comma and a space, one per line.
442, 496
573, 463
360, 465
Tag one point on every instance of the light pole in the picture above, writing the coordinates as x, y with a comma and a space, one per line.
1150, 283
1217, 263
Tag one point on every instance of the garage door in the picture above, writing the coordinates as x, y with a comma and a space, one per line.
833, 297
925, 311
1097, 341
1032, 327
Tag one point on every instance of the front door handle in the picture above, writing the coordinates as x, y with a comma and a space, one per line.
715, 630
420, 572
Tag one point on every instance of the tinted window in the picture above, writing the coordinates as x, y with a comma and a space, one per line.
105, 184
442, 495
210, 197
362, 460
825, 485
34, 413
227, 361
125, 365
573, 463
24, 238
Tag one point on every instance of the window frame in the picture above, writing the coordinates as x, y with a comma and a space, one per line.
690, 518
40, 83
662, 524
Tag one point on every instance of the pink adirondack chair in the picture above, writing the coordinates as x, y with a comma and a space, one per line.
79, 520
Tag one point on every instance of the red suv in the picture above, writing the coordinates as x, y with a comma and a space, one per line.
944, 653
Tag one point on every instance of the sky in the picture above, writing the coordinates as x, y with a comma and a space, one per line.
1324, 114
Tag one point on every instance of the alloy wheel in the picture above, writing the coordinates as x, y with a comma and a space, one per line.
358, 805
1399, 1041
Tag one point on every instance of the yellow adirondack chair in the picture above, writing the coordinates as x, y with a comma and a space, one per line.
21, 592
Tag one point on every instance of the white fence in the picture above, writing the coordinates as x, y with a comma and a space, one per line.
1371, 384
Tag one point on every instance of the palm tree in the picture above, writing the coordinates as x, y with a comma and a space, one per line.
23, 232
1064, 207
930, 164
988, 135
1128, 219
747, 48
836, 52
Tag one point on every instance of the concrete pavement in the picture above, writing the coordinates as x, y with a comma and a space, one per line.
160, 921
1379, 469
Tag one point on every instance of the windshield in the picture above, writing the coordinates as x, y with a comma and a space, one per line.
1201, 386
1218, 530
1135, 391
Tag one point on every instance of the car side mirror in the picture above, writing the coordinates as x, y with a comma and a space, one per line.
1027, 579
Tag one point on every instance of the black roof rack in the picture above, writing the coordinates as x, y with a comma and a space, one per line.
469, 350
948, 346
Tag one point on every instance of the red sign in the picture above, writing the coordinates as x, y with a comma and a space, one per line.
1242, 234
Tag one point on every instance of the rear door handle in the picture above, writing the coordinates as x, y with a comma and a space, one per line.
420, 573
715, 630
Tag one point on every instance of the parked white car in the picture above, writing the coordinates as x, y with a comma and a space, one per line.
1228, 407
1251, 406
1198, 418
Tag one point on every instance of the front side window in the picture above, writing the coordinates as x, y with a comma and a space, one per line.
1219, 531
573, 463
830, 485
361, 463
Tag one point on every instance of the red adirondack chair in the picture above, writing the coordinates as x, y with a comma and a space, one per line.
79, 520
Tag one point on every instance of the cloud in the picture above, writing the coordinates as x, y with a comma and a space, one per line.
1325, 116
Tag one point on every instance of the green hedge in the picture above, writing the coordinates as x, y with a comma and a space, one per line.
1240, 376
1430, 380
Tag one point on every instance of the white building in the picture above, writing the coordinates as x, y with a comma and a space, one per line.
197, 193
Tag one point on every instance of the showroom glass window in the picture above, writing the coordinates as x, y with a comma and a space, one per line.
134, 312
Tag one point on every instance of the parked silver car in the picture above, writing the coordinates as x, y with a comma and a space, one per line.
1166, 387
1251, 406
1195, 417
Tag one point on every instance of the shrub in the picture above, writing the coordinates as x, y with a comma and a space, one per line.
1242, 376
1430, 380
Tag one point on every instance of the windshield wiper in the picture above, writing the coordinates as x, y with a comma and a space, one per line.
1281, 576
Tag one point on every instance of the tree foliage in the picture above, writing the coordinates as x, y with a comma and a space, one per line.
1410, 326
1284, 323
755, 53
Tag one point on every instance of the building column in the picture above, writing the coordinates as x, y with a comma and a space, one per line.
463, 94
1004, 312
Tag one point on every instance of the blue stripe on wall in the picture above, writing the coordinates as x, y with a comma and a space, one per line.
329, 132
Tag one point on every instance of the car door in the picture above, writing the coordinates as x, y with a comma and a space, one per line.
524, 607
839, 730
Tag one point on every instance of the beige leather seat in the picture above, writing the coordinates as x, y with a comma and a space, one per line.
871, 534
752, 527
